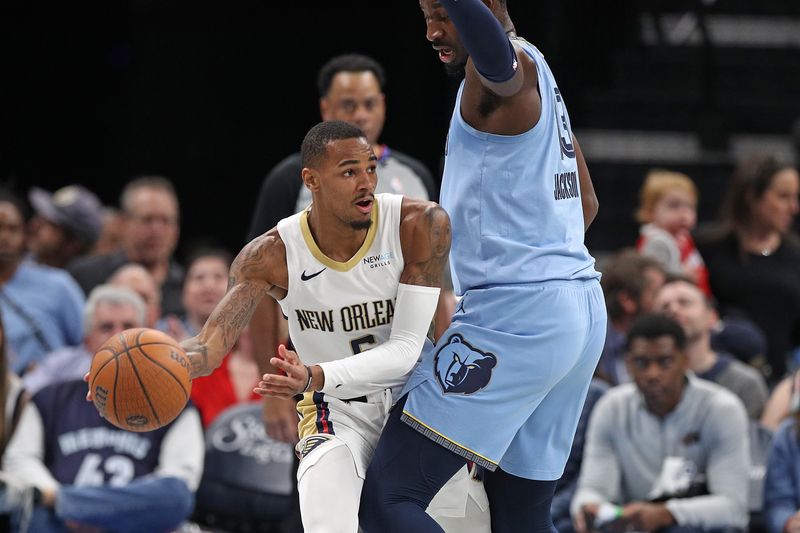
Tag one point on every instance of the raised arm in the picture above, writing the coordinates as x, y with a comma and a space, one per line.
500, 89
486, 40
253, 274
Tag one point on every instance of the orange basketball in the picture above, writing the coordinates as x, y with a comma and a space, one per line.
140, 379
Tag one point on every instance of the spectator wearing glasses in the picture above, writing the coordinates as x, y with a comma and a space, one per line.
150, 210
109, 310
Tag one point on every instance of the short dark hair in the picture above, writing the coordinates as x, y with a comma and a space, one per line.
348, 63
653, 325
625, 272
142, 182
10, 195
315, 142
205, 252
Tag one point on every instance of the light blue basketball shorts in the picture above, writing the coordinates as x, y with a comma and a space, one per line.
505, 384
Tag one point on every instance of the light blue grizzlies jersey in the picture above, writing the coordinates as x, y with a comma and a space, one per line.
514, 201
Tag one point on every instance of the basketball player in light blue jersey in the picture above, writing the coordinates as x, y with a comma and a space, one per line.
505, 384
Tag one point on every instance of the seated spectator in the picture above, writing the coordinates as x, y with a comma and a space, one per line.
138, 279
41, 306
109, 310
66, 225
233, 381
89, 475
13, 398
783, 402
685, 302
630, 282
667, 450
668, 214
204, 285
150, 207
12, 394
752, 255
740, 337
111, 232
565, 489
229, 384
782, 485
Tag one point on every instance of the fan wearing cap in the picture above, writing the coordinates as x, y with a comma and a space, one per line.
66, 224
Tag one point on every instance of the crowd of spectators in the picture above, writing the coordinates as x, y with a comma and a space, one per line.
691, 423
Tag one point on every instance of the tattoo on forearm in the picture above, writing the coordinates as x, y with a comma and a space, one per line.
199, 361
236, 313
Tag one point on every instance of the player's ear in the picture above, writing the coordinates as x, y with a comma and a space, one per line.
310, 179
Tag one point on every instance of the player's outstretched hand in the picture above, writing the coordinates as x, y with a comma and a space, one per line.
294, 382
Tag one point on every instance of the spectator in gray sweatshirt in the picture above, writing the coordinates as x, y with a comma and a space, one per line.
667, 452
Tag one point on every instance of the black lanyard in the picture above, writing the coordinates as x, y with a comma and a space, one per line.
28, 319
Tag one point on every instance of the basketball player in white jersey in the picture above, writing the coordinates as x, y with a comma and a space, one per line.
358, 276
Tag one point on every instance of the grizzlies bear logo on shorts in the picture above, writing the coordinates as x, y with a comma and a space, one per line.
462, 368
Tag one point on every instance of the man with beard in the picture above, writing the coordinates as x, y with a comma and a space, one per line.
150, 209
358, 276
505, 384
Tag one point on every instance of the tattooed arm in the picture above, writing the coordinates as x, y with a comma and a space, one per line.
425, 238
259, 269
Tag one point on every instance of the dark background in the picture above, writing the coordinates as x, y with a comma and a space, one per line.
212, 94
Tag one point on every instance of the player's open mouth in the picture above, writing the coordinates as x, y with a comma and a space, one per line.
446, 55
365, 206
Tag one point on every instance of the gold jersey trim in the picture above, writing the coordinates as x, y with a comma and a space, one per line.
327, 261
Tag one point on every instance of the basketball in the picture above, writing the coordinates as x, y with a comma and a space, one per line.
139, 379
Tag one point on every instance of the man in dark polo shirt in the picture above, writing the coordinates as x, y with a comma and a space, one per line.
150, 210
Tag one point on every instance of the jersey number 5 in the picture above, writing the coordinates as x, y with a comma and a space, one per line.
358, 344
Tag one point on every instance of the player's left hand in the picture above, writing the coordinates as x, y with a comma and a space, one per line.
294, 382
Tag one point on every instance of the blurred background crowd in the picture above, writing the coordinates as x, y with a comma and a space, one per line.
144, 143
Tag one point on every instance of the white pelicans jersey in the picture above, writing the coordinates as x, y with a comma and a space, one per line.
338, 309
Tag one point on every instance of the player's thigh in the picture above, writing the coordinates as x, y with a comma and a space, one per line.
543, 443
330, 490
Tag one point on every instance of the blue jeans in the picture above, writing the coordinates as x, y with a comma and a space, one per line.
156, 504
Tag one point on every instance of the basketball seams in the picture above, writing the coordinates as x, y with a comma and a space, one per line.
116, 376
165, 369
141, 384
163, 359
113, 358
